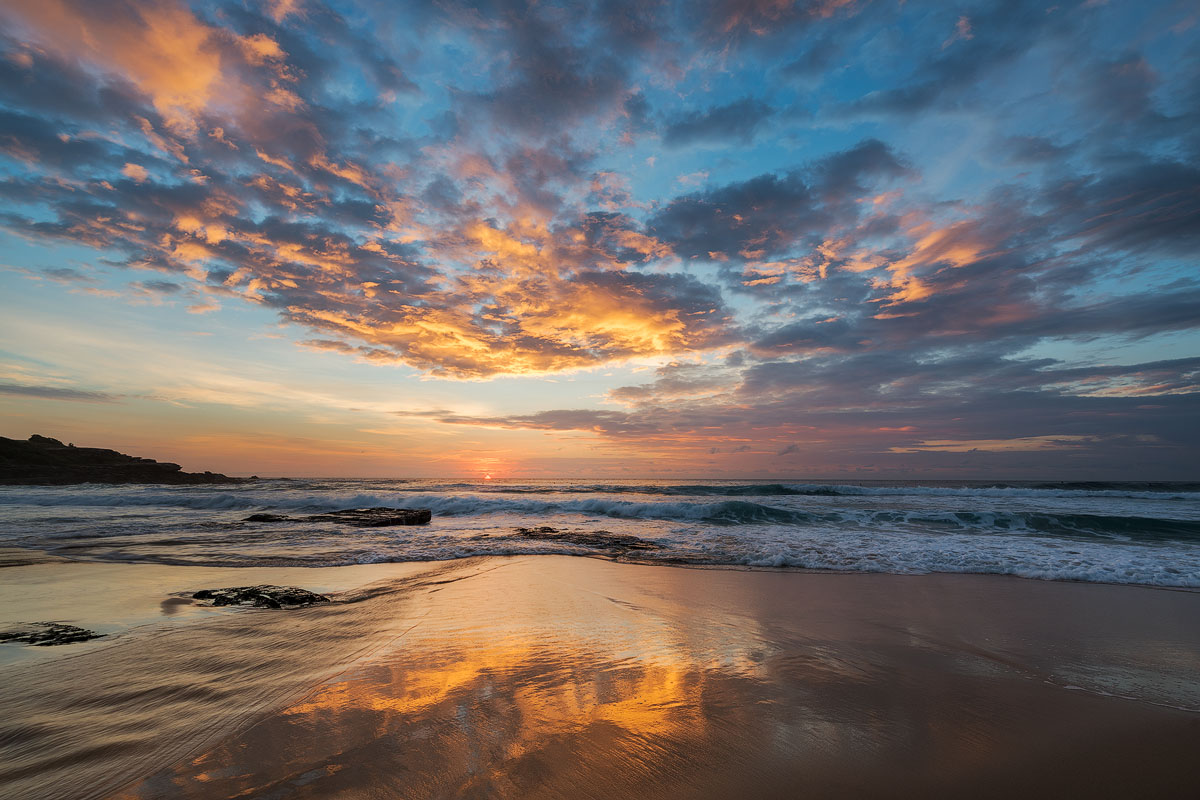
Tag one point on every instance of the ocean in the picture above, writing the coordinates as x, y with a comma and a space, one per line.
1131, 533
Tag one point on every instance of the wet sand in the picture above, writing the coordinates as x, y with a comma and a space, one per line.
567, 677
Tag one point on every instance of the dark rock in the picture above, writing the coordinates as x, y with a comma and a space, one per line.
48, 634
266, 518
46, 461
261, 596
375, 517
600, 540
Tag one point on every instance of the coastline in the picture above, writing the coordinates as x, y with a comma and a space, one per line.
555, 676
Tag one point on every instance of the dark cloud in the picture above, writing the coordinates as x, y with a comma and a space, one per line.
56, 393
550, 78
884, 409
945, 75
1034, 149
26, 137
36, 81
711, 223
841, 176
771, 212
675, 381
1151, 206
66, 275
808, 335
637, 112
632, 26
160, 287
817, 56
1121, 89
737, 121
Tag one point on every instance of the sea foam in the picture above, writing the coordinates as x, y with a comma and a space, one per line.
1092, 532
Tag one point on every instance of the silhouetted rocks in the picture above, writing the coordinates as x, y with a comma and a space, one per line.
44, 461
599, 540
378, 517
375, 517
261, 596
47, 634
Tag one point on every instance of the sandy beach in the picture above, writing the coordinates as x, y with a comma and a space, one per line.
571, 677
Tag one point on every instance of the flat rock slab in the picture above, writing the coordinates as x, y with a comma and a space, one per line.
47, 634
600, 540
363, 517
263, 596
375, 517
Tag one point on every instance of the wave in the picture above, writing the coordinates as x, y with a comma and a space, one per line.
1093, 561
1068, 524
1129, 490
331, 495
895, 529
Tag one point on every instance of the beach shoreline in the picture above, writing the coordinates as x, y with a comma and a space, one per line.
545, 675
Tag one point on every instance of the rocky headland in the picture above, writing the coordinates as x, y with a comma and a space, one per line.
41, 460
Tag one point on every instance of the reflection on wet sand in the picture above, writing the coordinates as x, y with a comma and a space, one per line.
561, 677
81, 721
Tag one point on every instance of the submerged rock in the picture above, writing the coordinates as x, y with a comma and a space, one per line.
600, 540
263, 596
47, 634
375, 517
267, 518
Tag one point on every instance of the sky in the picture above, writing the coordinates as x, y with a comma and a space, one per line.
625, 238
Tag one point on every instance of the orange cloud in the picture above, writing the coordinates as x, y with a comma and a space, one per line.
185, 66
954, 245
135, 172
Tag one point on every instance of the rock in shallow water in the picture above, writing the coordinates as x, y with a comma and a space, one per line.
600, 540
376, 517
47, 634
261, 596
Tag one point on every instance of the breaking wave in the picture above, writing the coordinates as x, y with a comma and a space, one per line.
1126, 533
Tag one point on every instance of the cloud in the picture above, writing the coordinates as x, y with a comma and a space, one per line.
135, 172
56, 393
737, 121
1154, 205
986, 43
605, 422
768, 214
520, 188
1034, 149
179, 62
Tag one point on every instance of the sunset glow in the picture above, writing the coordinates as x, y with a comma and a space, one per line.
643, 239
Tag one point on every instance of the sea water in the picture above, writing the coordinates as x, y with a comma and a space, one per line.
1137, 533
